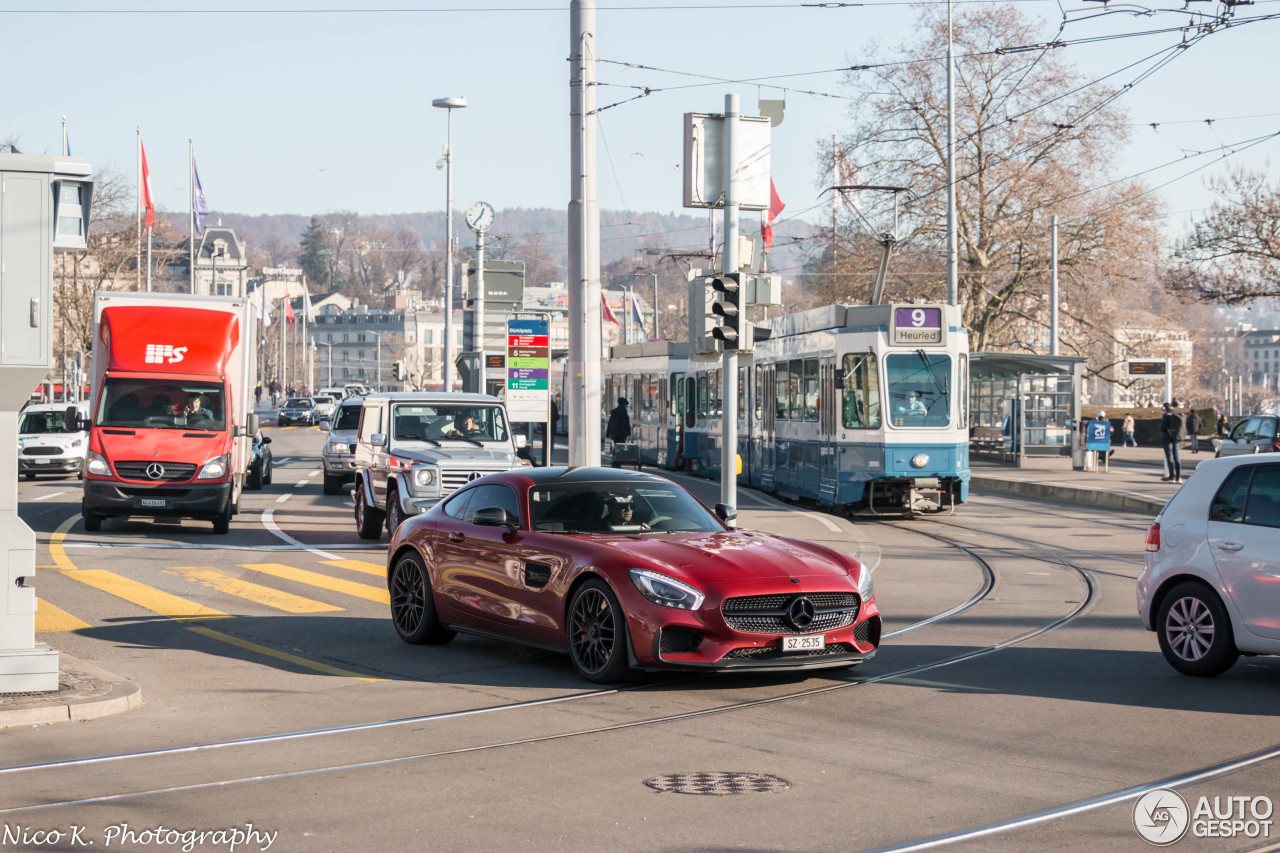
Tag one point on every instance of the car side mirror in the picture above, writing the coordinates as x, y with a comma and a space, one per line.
266, 439
71, 420
726, 513
326, 424
522, 440
251, 424
378, 439
494, 516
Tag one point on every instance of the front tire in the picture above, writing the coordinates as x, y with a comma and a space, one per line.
222, 524
395, 515
413, 607
92, 521
332, 485
368, 521
597, 632
1195, 632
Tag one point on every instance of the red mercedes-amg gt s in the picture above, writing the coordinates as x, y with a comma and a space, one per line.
624, 570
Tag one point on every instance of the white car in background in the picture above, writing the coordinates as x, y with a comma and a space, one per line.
325, 406
46, 445
1211, 585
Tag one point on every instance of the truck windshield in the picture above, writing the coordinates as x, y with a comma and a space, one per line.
441, 422
162, 405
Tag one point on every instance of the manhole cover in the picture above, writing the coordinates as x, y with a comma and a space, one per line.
718, 784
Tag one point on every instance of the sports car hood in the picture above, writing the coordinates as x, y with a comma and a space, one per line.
730, 555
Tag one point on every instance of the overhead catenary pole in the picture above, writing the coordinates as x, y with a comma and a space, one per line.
191, 213
729, 360
583, 409
137, 264
953, 285
448, 105
1053, 286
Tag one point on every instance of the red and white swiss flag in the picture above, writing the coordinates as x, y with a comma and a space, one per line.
144, 188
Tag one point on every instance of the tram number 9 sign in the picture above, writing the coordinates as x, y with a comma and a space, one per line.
914, 325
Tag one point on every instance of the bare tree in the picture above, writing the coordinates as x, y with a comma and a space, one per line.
1233, 254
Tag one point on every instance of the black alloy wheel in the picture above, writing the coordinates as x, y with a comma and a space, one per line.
1195, 632
413, 609
597, 634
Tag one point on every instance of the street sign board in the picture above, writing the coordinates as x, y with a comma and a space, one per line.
503, 283
528, 368
704, 161
1147, 368
917, 325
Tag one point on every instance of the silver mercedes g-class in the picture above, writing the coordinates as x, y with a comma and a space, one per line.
413, 448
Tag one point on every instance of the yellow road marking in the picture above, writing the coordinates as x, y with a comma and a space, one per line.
378, 569
50, 619
214, 579
56, 550
146, 597
279, 655
359, 590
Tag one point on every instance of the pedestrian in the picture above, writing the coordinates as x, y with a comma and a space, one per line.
1222, 424
1172, 429
550, 443
1127, 428
257, 393
619, 427
1193, 429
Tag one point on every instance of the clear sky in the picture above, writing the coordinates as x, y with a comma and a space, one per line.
312, 106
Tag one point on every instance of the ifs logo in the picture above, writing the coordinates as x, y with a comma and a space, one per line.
162, 353
1161, 817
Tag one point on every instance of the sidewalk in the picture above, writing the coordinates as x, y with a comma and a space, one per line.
1133, 483
84, 692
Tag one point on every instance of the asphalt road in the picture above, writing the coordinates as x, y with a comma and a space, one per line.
1014, 680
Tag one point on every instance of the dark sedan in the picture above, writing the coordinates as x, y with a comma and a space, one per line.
624, 570
259, 462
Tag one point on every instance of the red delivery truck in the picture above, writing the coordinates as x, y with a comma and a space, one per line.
172, 419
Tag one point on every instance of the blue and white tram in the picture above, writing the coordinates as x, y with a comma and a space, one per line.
864, 408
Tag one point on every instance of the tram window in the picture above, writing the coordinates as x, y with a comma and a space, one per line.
714, 393
795, 378
861, 392
962, 386
702, 396
811, 389
677, 395
919, 386
755, 398
742, 390
780, 390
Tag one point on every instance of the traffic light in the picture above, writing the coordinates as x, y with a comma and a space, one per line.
731, 330
397, 370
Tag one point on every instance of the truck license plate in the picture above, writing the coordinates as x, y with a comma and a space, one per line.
804, 643
158, 503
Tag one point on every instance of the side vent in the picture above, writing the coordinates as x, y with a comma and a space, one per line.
536, 575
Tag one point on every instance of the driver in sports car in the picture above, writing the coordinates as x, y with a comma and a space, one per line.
622, 513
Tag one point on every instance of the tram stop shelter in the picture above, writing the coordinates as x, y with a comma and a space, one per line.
1023, 406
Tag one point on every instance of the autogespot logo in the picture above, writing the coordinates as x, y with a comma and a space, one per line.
1161, 817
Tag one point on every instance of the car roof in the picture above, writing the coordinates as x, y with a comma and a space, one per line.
587, 474
56, 407
433, 397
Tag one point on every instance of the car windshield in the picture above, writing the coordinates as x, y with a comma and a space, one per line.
348, 417
161, 405
42, 423
298, 403
444, 421
618, 507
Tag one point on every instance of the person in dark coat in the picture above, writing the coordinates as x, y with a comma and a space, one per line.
1171, 432
1193, 429
1222, 424
619, 428
549, 438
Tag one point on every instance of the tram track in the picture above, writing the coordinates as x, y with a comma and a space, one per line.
968, 549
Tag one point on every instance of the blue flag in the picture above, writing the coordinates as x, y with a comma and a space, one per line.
637, 319
199, 207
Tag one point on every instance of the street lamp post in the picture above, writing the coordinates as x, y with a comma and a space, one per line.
328, 359
449, 105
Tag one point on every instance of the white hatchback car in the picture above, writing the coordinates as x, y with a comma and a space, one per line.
1211, 585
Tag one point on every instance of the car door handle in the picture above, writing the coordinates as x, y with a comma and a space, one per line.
456, 537
1230, 546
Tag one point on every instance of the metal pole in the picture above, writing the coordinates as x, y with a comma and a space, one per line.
448, 255
1168, 380
191, 208
953, 285
583, 408
377, 336
1053, 286
729, 361
656, 336
477, 316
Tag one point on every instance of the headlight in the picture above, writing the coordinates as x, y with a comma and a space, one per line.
213, 468
919, 460
335, 448
666, 591
864, 582
424, 476
96, 463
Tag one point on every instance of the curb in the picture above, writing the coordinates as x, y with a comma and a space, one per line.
84, 692
1068, 494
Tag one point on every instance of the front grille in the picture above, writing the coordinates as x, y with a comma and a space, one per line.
767, 614
774, 653
174, 472
41, 451
868, 631
450, 480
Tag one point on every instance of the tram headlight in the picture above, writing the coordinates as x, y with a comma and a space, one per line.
919, 460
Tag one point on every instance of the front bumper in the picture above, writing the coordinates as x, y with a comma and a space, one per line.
112, 498
722, 648
339, 466
50, 464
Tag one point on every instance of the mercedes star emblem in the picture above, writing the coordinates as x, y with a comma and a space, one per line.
155, 470
474, 475
801, 613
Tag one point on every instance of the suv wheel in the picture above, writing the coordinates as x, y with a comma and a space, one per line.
332, 485
1195, 632
368, 521
395, 515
